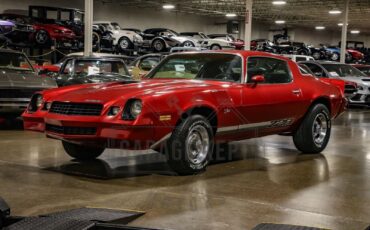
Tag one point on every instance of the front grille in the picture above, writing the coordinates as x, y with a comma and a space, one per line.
71, 130
350, 89
79, 109
17, 93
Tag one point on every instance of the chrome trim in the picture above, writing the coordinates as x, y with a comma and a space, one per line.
156, 144
266, 124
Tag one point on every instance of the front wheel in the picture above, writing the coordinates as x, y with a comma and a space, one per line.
124, 43
42, 37
190, 147
82, 153
313, 134
335, 57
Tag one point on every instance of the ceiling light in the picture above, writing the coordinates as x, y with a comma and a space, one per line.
355, 31
280, 22
230, 15
168, 6
320, 27
279, 3
335, 12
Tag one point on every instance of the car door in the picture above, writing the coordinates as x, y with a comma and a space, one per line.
273, 104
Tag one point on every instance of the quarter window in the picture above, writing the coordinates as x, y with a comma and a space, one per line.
274, 70
317, 70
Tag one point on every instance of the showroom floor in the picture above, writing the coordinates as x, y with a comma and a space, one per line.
266, 182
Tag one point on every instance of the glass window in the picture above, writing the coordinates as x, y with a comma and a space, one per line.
149, 63
90, 67
65, 15
14, 61
304, 69
68, 67
297, 59
317, 70
343, 70
207, 66
52, 14
274, 70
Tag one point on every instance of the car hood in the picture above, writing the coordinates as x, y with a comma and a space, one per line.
124, 90
358, 80
16, 79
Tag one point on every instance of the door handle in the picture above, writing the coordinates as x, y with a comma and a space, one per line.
296, 91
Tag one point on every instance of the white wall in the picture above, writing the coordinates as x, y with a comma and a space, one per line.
146, 18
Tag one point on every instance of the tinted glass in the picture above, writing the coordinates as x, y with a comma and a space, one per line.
317, 70
274, 70
89, 67
222, 67
342, 70
14, 61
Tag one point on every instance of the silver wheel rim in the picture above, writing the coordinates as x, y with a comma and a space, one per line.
158, 45
197, 144
319, 129
188, 44
316, 55
334, 57
124, 44
215, 47
41, 37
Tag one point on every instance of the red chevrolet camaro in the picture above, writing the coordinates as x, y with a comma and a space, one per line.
190, 104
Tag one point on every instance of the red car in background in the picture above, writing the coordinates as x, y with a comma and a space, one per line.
43, 32
354, 55
188, 106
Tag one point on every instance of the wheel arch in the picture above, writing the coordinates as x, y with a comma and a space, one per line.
322, 100
204, 110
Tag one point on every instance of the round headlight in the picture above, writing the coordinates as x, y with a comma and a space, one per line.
39, 101
48, 105
136, 108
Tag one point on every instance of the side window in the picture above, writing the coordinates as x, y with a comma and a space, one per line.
298, 59
274, 70
68, 66
148, 63
317, 70
52, 14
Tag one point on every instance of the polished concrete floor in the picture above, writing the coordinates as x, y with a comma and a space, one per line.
266, 181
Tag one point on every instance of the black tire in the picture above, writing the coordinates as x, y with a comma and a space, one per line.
216, 47
305, 138
124, 43
158, 45
349, 58
303, 52
42, 37
179, 145
96, 41
82, 153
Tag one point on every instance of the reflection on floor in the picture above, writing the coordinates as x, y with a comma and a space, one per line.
266, 180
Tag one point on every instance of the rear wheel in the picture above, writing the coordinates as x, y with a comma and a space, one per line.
42, 37
313, 134
188, 44
124, 43
190, 147
82, 153
335, 57
216, 47
158, 45
316, 55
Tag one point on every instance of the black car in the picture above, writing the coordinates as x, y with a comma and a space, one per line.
82, 70
23, 31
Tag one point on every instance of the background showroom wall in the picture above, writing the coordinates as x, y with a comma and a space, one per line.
146, 18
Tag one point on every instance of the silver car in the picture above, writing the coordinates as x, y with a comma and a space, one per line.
347, 73
18, 82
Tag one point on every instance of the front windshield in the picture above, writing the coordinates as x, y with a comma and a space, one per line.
14, 61
232, 38
93, 67
207, 66
365, 69
342, 70
202, 35
172, 32
116, 26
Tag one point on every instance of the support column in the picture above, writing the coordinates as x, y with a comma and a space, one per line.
88, 40
248, 25
344, 33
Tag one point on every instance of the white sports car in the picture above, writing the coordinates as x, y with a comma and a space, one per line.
210, 43
123, 39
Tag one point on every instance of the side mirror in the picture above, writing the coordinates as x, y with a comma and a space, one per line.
258, 79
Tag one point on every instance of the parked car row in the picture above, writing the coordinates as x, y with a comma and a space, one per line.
324, 52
